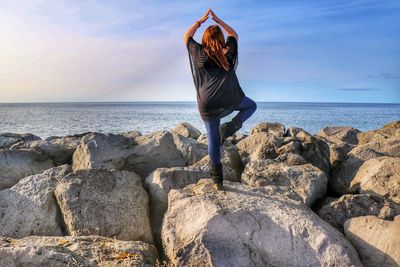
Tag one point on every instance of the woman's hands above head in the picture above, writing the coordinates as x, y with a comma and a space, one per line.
205, 16
215, 17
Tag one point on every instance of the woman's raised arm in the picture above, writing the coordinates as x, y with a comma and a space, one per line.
192, 29
229, 31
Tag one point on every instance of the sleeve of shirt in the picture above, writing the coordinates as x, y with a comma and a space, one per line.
233, 50
196, 52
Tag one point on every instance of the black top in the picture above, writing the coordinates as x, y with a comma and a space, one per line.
218, 91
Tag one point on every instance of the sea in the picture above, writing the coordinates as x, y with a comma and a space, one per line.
68, 118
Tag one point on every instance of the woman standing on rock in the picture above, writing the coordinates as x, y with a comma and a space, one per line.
213, 64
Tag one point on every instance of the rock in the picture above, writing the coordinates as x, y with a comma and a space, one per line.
389, 130
131, 134
274, 128
312, 148
337, 210
75, 251
9, 139
141, 155
232, 164
17, 164
59, 149
191, 149
260, 145
243, 226
155, 150
377, 241
379, 176
309, 182
187, 130
344, 173
203, 139
339, 134
234, 139
159, 182
29, 207
102, 151
105, 203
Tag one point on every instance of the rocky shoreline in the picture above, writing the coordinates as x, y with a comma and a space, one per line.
290, 198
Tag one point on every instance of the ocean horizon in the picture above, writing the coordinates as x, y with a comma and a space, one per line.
47, 119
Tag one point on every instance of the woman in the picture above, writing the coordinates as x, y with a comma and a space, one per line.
213, 64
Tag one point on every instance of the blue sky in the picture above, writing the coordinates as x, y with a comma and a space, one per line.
317, 51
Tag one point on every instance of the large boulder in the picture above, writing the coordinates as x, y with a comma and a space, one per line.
376, 240
17, 164
154, 150
312, 148
59, 149
102, 151
29, 207
105, 203
232, 164
38, 251
387, 131
379, 176
274, 128
141, 154
244, 226
9, 139
191, 149
260, 145
344, 172
309, 182
337, 210
158, 184
187, 130
339, 134
341, 139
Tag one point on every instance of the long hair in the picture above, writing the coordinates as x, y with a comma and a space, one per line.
213, 41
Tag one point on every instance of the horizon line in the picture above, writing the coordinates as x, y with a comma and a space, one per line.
194, 101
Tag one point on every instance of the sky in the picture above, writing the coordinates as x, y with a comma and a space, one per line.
309, 51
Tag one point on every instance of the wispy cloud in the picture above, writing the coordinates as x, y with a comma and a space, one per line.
358, 89
385, 75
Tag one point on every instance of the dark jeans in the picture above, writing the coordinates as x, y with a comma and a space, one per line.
246, 108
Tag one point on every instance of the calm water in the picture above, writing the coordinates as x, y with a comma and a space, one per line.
47, 119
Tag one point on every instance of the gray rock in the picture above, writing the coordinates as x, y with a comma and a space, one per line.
203, 139
141, 155
17, 164
309, 182
155, 150
9, 139
312, 148
337, 210
232, 164
379, 176
29, 207
105, 203
339, 134
260, 145
377, 241
91, 251
345, 172
274, 128
59, 149
244, 226
187, 130
159, 182
191, 149
388, 131
102, 151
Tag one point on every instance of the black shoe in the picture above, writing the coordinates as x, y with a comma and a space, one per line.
217, 175
229, 128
